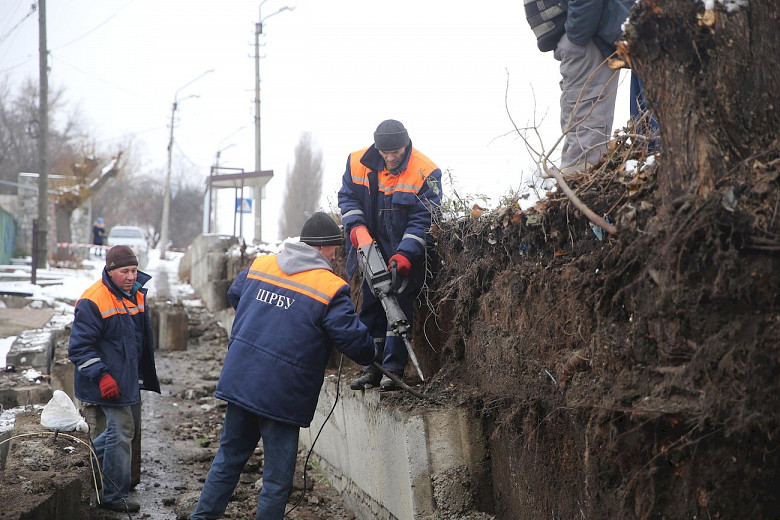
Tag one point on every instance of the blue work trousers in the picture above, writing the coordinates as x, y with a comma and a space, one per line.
645, 122
393, 356
114, 449
240, 434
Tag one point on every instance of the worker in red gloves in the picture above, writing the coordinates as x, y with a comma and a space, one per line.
112, 348
394, 191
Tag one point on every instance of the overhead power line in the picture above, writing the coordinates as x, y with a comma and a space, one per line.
98, 26
33, 9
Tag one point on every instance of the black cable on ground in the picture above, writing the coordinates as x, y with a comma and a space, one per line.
306, 462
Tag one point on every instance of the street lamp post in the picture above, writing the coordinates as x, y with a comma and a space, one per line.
167, 189
258, 165
208, 219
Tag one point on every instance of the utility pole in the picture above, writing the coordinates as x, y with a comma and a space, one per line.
167, 189
40, 239
258, 196
258, 163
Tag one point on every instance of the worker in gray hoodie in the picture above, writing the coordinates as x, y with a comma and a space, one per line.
291, 310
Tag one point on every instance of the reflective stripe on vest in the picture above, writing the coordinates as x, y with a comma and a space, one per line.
310, 283
410, 180
109, 305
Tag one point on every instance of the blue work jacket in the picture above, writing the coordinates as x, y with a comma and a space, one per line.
600, 21
396, 206
112, 334
290, 311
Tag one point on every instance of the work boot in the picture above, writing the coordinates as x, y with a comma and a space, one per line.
388, 384
369, 379
128, 506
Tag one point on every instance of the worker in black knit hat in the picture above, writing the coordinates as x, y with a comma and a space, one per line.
112, 348
291, 309
393, 192
321, 230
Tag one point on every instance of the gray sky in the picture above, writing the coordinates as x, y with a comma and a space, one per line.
447, 70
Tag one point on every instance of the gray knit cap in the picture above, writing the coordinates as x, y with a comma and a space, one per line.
390, 135
321, 230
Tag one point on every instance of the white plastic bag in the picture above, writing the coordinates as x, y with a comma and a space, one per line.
61, 414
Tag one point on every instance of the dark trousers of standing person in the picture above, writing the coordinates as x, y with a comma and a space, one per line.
645, 122
241, 432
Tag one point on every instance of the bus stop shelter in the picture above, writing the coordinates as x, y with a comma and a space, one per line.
236, 179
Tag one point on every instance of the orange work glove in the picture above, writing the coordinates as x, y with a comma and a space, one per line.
108, 388
353, 235
402, 264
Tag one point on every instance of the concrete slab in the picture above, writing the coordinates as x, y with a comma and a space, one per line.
14, 321
33, 348
391, 462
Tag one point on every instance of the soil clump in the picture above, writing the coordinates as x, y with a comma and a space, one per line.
632, 375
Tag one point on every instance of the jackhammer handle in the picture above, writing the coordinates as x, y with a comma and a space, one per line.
362, 235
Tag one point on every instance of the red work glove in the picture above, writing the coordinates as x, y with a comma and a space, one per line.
353, 235
108, 388
402, 264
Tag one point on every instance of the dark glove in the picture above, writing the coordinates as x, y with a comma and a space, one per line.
108, 388
402, 264
353, 235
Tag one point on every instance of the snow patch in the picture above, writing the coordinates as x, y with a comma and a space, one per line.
5, 347
729, 5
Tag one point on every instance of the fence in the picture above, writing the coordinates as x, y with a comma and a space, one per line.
8, 232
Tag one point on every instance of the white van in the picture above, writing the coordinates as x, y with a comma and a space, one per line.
132, 237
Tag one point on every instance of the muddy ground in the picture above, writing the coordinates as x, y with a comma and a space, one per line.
180, 437
632, 375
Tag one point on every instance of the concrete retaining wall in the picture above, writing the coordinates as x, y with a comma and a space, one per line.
389, 462
399, 463
207, 262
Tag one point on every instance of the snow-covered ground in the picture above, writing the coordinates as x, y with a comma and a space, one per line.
71, 283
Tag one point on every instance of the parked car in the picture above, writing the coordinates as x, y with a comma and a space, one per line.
132, 237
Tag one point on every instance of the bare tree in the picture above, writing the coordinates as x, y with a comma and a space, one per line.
303, 187
135, 198
19, 131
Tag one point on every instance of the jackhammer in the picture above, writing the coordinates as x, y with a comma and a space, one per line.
382, 282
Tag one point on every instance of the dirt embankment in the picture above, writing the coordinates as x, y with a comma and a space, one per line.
618, 376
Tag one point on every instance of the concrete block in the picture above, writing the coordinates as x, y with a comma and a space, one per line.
32, 348
390, 462
214, 295
62, 375
32, 394
17, 389
225, 317
171, 327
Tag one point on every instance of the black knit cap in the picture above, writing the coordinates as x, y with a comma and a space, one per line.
120, 256
390, 135
321, 230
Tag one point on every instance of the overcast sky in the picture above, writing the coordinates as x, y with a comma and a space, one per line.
447, 70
